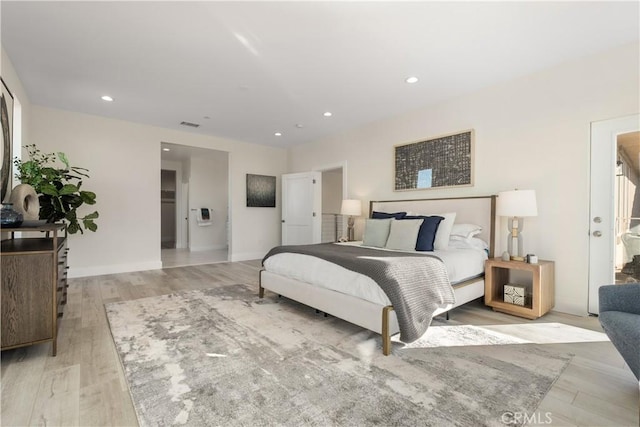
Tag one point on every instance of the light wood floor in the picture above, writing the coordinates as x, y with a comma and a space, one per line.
84, 385
183, 257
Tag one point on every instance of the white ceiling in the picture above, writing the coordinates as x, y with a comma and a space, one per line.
256, 68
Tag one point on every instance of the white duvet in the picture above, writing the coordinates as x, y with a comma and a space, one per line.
462, 264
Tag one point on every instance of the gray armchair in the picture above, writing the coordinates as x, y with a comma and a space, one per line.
620, 319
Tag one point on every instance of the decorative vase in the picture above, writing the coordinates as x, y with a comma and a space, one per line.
25, 201
9, 217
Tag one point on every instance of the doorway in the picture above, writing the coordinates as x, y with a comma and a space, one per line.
627, 209
168, 209
200, 205
333, 224
613, 196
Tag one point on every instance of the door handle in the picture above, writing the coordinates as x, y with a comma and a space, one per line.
283, 221
597, 233
597, 220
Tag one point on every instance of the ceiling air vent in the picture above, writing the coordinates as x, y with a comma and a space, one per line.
193, 125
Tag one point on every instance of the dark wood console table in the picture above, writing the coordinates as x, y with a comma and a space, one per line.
34, 284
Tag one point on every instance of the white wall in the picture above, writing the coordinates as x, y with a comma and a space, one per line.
531, 133
124, 163
208, 188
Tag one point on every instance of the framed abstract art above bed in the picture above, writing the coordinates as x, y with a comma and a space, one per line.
443, 161
6, 121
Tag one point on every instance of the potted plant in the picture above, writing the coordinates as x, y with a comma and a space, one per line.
59, 188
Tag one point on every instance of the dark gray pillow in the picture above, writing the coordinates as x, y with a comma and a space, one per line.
383, 215
427, 234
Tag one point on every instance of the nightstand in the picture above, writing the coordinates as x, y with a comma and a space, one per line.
538, 279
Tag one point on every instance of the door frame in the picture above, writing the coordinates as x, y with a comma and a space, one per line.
183, 212
603, 150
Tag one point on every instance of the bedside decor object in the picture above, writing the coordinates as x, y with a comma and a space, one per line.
352, 208
9, 217
514, 294
516, 204
443, 161
25, 201
532, 259
261, 191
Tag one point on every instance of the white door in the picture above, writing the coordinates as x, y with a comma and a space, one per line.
602, 212
301, 208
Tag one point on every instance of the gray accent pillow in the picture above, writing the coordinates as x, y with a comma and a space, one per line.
404, 234
376, 232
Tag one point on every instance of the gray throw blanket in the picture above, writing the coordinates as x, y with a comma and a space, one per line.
416, 284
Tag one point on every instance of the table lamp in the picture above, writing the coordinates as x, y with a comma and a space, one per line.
516, 204
352, 208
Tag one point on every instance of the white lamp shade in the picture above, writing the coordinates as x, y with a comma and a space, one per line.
351, 207
518, 203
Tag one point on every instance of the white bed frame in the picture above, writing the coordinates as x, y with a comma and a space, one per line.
375, 317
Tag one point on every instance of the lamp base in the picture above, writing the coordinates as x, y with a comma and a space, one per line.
350, 223
515, 227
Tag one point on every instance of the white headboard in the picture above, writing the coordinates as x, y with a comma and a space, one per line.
479, 210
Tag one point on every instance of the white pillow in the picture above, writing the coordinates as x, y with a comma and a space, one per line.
458, 242
444, 229
403, 234
376, 232
466, 230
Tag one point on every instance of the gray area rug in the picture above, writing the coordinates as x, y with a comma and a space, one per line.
222, 356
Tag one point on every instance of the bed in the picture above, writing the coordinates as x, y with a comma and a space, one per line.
348, 295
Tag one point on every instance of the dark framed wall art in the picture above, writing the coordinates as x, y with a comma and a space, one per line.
261, 191
443, 161
6, 121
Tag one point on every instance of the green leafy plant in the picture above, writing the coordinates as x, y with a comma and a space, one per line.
59, 188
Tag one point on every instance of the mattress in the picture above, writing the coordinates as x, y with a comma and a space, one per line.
462, 264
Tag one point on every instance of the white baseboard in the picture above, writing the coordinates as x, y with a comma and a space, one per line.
246, 256
113, 269
570, 307
207, 248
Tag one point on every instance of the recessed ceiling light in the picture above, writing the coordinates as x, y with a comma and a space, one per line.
107, 98
278, 134
328, 114
166, 149
299, 125
411, 79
